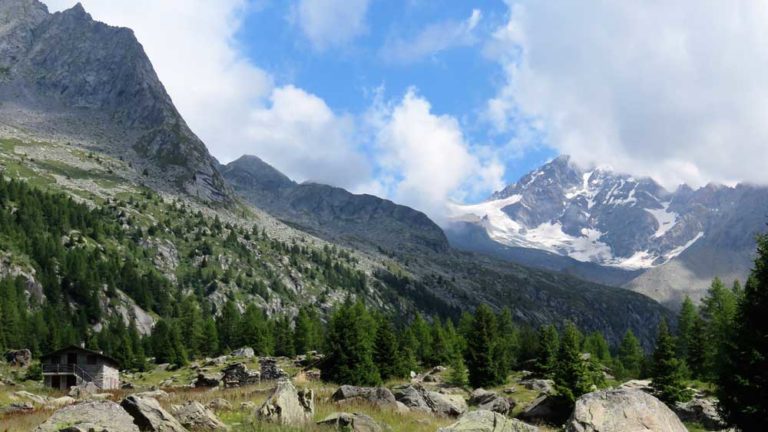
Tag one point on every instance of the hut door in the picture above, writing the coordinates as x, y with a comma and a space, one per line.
71, 381
56, 381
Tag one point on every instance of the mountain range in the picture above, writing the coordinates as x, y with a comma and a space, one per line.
617, 229
89, 116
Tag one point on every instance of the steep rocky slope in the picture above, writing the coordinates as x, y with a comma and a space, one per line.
67, 78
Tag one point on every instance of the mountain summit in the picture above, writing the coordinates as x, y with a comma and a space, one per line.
623, 222
67, 78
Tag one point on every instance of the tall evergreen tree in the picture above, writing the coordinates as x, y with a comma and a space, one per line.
719, 311
508, 341
386, 353
421, 331
630, 356
481, 346
596, 345
696, 357
743, 381
667, 371
349, 351
686, 319
210, 344
572, 375
228, 324
549, 345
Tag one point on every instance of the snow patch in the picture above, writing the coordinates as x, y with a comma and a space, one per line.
665, 219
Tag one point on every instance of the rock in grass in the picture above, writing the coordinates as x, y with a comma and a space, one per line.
288, 406
88, 416
149, 416
354, 422
488, 421
622, 410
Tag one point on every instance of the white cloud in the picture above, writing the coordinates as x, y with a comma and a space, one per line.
424, 158
676, 90
433, 39
230, 103
331, 23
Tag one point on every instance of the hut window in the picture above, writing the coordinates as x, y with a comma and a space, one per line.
91, 359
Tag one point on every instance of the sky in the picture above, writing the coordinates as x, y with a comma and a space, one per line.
431, 101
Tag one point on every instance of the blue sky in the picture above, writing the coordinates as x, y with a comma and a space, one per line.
429, 102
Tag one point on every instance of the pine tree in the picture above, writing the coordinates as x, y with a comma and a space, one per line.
441, 350
254, 331
228, 324
719, 311
421, 331
458, 375
549, 345
630, 356
596, 345
508, 341
349, 351
283, 337
386, 353
210, 344
191, 325
481, 345
572, 375
685, 324
743, 381
667, 371
308, 331
696, 358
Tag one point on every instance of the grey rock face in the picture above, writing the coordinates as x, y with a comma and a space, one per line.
412, 398
64, 76
238, 375
18, 358
354, 422
149, 416
622, 410
86, 416
270, 370
487, 421
288, 406
380, 396
331, 212
490, 401
197, 417
446, 405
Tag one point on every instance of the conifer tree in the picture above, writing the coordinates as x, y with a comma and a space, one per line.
685, 323
422, 332
441, 350
481, 346
191, 325
210, 344
308, 331
228, 324
549, 345
386, 353
596, 345
508, 341
630, 356
458, 375
696, 356
349, 351
667, 371
718, 310
572, 375
743, 381
283, 337
254, 331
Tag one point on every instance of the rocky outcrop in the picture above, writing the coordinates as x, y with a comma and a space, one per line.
197, 417
411, 397
207, 380
219, 404
546, 409
701, 410
490, 401
355, 422
622, 410
288, 406
18, 358
270, 370
543, 386
246, 352
84, 390
381, 397
90, 416
154, 394
488, 421
238, 375
445, 404
149, 416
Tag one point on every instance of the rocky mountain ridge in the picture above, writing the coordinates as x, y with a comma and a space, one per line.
604, 222
65, 77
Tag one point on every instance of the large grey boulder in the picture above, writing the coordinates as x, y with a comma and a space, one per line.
381, 397
701, 410
546, 409
18, 358
488, 400
411, 397
355, 422
84, 390
238, 375
446, 404
622, 410
246, 352
488, 421
197, 417
149, 416
288, 406
269, 369
90, 416
543, 386
207, 380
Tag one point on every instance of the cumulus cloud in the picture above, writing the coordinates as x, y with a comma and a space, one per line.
425, 159
675, 90
233, 105
331, 23
433, 39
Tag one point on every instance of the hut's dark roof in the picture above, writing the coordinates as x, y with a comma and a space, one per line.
77, 348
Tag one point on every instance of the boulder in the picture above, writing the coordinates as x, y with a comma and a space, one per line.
197, 417
17, 407
488, 421
18, 358
35, 399
490, 401
411, 398
288, 406
206, 380
701, 410
270, 371
149, 416
622, 410
351, 422
219, 404
543, 386
546, 409
238, 375
378, 396
60, 402
90, 416
644, 385
246, 352
84, 390
217, 361
247, 406
155, 394
445, 404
